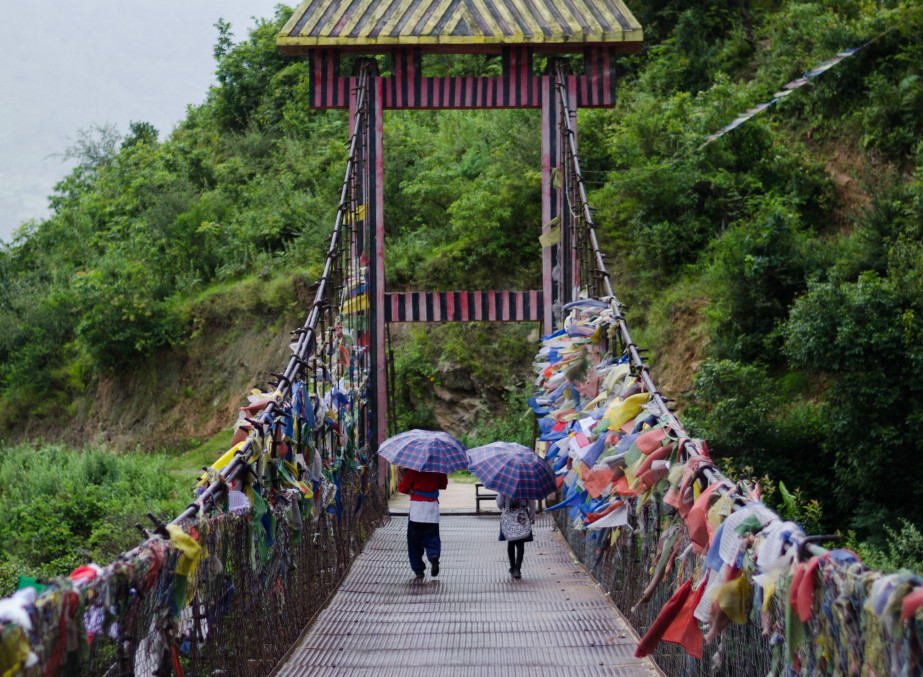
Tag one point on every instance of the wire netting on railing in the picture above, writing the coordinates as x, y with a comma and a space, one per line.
856, 619
227, 586
713, 580
236, 611
626, 570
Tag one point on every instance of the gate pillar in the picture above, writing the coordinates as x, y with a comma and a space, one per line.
558, 271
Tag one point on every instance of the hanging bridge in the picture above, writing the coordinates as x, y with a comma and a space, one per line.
287, 561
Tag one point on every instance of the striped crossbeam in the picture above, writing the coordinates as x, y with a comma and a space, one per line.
459, 25
464, 306
516, 88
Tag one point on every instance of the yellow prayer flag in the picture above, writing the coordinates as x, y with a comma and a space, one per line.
768, 592
621, 413
551, 238
222, 461
732, 597
360, 215
191, 550
356, 304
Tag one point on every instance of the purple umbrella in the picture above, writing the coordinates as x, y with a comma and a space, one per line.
425, 451
512, 469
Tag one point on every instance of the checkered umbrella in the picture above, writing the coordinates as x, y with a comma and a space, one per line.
512, 469
426, 451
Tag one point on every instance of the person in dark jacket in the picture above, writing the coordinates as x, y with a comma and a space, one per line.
423, 525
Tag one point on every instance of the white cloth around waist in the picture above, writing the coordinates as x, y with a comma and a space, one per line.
424, 511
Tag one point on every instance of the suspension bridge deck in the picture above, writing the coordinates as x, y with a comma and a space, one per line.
471, 621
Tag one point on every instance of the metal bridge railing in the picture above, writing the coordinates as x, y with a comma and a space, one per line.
227, 587
842, 634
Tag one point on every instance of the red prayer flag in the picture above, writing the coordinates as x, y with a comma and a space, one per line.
667, 615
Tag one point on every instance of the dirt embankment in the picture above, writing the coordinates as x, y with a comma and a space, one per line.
190, 392
681, 345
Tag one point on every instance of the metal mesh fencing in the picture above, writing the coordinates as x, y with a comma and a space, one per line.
626, 570
227, 587
851, 629
237, 613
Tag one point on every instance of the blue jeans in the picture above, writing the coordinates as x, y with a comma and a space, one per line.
422, 536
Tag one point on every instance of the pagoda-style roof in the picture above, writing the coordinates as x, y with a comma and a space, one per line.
460, 26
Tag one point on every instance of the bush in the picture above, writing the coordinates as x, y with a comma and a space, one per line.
761, 267
63, 507
867, 336
904, 550
753, 420
121, 315
515, 424
492, 359
894, 120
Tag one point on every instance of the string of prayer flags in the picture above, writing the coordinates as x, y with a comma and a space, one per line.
786, 90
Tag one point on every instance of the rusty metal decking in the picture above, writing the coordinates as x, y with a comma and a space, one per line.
471, 621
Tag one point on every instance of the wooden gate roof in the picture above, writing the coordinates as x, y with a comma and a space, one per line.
460, 25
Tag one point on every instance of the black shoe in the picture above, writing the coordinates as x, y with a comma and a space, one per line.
434, 566
512, 570
517, 574
419, 574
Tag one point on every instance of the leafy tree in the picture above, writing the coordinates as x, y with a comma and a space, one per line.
121, 316
246, 69
140, 132
95, 146
868, 336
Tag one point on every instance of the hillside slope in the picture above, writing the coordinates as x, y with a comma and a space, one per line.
179, 396
777, 274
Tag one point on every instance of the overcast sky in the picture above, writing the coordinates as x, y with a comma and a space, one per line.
68, 64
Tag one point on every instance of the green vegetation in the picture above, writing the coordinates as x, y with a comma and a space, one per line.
487, 359
63, 508
904, 550
814, 302
464, 477
188, 463
792, 245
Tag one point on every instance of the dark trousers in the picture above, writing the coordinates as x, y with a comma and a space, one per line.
515, 550
422, 536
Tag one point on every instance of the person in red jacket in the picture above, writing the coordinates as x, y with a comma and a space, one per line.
423, 525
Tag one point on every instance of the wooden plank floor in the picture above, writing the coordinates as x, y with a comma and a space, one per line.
471, 621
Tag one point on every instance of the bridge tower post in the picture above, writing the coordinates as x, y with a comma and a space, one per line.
373, 228
558, 270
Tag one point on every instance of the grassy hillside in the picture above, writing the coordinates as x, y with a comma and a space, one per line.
777, 274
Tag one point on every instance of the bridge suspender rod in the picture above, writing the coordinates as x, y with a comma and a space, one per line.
307, 334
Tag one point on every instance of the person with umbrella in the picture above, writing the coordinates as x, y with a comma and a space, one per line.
428, 458
423, 523
520, 478
516, 520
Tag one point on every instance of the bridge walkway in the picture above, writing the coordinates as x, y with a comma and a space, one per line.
474, 620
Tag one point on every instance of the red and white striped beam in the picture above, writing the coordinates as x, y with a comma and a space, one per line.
518, 87
465, 306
